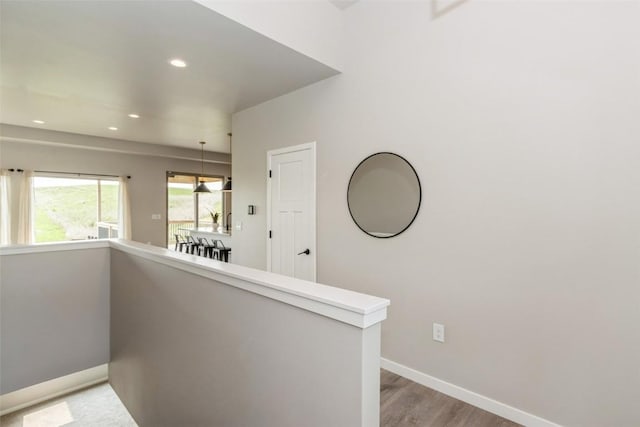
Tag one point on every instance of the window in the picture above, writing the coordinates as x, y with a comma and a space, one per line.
74, 208
186, 209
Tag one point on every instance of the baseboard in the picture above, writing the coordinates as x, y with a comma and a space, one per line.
51, 389
470, 397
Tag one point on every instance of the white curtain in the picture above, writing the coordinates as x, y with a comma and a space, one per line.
5, 210
124, 207
26, 234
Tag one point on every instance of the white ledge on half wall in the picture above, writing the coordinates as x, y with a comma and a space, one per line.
346, 306
54, 247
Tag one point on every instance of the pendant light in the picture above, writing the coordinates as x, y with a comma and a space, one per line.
201, 188
227, 185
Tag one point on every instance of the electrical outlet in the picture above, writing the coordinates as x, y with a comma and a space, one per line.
438, 332
239, 225
155, 216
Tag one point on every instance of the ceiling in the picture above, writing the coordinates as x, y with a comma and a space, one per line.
343, 4
84, 66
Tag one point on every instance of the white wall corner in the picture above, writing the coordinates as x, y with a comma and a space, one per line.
313, 28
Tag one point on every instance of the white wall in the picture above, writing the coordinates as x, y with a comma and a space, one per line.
55, 314
189, 340
207, 345
521, 119
47, 150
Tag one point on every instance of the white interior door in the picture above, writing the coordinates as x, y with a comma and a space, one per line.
291, 211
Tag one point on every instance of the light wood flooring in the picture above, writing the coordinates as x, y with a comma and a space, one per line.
402, 403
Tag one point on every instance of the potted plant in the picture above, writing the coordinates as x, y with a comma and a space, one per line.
214, 218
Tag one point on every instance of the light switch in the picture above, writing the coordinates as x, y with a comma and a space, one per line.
155, 216
238, 225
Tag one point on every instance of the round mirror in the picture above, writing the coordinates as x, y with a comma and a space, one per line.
384, 195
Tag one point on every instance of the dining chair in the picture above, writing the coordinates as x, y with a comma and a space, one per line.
180, 243
222, 250
193, 246
207, 248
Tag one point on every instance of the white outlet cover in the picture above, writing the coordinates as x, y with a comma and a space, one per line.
438, 332
238, 225
155, 216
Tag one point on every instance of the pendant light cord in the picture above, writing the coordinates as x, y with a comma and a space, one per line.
202, 160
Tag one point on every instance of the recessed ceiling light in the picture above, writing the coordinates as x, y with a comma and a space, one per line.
113, 128
178, 63
134, 116
40, 122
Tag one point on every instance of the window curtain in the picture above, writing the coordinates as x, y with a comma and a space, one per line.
124, 209
5, 211
26, 235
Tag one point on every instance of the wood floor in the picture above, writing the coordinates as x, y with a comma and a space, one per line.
405, 403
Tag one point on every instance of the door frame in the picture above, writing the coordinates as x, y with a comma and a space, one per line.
311, 146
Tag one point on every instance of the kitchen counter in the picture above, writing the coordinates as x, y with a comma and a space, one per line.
207, 231
210, 235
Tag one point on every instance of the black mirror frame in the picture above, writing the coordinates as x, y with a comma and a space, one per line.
419, 195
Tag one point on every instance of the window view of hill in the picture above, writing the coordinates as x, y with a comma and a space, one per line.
69, 209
